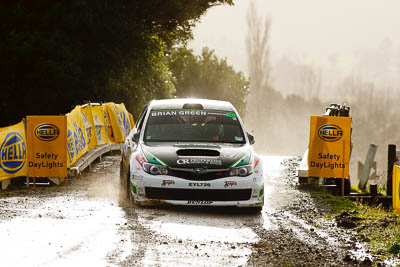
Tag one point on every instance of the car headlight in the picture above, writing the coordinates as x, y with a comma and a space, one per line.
241, 171
154, 169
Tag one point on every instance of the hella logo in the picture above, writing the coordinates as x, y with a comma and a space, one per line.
330, 132
12, 153
46, 132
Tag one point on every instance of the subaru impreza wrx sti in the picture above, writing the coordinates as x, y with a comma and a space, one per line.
191, 152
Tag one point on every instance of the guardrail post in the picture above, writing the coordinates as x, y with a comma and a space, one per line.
367, 166
391, 161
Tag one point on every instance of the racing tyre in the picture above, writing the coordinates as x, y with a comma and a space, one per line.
128, 189
255, 210
122, 186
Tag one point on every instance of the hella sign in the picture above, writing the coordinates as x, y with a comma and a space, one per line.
330, 132
46, 132
12, 153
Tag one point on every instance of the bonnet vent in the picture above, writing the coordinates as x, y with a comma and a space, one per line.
198, 152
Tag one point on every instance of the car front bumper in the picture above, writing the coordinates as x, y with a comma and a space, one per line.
229, 191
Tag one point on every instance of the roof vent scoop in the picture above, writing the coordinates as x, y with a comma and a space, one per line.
192, 106
198, 152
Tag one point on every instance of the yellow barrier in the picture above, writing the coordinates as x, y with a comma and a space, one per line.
120, 121
127, 119
396, 189
108, 126
13, 151
77, 141
99, 120
88, 123
131, 120
49, 138
91, 126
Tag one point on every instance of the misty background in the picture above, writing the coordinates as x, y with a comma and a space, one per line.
302, 56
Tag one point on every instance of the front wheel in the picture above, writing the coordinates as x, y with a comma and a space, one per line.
128, 188
255, 210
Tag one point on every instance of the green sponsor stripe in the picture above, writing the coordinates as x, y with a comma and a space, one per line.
245, 161
160, 161
133, 188
153, 159
231, 115
233, 164
261, 191
146, 155
241, 161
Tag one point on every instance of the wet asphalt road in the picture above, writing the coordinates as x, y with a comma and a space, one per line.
84, 223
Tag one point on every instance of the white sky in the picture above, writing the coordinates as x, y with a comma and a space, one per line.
310, 29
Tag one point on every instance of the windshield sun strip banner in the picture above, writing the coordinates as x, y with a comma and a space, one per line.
193, 109
192, 112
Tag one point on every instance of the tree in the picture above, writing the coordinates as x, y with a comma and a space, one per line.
262, 99
206, 76
280, 124
258, 51
56, 54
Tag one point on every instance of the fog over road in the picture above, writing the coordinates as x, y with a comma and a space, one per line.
83, 223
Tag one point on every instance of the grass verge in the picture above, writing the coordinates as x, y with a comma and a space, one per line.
376, 227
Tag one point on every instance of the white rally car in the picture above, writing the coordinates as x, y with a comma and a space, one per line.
191, 152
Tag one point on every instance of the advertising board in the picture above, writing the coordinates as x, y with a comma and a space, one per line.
47, 146
329, 147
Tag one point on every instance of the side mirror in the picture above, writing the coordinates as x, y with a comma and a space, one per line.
251, 138
135, 137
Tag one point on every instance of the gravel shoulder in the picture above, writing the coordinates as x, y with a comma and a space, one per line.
295, 232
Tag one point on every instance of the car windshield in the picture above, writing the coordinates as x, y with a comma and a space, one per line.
182, 125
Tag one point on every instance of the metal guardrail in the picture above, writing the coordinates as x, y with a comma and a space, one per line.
86, 160
76, 169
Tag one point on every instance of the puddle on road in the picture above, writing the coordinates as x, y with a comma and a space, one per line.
64, 232
200, 229
190, 239
214, 236
215, 240
275, 195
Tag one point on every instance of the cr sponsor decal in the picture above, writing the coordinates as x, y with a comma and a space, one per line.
199, 161
12, 153
199, 202
46, 132
330, 132
167, 182
230, 183
199, 184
